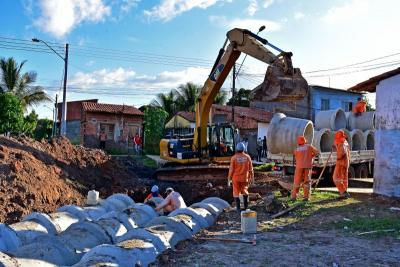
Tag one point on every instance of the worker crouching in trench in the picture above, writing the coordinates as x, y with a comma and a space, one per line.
304, 155
241, 174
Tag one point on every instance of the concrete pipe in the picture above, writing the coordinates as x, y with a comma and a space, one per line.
128, 253
357, 140
365, 121
209, 207
218, 202
198, 217
117, 202
18, 234
76, 211
189, 221
283, 132
123, 218
323, 140
159, 241
8, 261
55, 222
178, 231
331, 119
141, 213
369, 138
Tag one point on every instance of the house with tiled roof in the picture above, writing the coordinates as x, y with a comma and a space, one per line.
86, 119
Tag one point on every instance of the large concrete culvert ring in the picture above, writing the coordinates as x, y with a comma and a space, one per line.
357, 140
283, 132
364, 121
331, 119
369, 138
323, 140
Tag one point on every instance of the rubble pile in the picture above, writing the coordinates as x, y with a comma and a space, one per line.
41, 176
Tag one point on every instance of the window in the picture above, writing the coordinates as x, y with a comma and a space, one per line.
325, 104
108, 129
347, 106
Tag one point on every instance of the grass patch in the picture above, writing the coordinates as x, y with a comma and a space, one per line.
116, 151
364, 224
264, 167
145, 161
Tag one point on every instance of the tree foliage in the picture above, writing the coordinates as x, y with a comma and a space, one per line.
242, 98
43, 129
20, 84
154, 121
30, 123
11, 114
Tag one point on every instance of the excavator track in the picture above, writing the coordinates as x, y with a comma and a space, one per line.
193, 173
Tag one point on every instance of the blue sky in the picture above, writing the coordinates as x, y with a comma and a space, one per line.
127, 51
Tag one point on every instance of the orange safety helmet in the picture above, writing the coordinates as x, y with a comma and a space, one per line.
340, 136
301, 140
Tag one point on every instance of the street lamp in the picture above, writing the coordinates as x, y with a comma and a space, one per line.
63, 130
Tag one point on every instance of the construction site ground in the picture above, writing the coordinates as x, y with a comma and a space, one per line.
323, 232
42, 176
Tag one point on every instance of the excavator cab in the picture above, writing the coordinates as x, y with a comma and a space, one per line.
221, 142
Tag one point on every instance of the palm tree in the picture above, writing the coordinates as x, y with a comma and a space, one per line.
13, 81
186, 96
221, 98
166, 102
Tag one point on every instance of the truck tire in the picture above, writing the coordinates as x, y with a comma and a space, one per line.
362, 171
352, 173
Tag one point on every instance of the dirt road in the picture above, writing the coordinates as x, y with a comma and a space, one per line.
322, 233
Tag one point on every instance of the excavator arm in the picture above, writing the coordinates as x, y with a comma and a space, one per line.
282, 82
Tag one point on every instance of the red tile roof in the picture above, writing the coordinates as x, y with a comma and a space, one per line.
111, 108
190, 116
257, 114
370, 84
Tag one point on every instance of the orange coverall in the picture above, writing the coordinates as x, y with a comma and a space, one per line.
341, 172
361, 106
304, 155
241, 173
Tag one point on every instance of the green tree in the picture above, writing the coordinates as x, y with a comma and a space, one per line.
11, 114
242, 98
154, 121
166, 102
30, 123
43, 129
369, 106
20, 84
186, 96
221, 98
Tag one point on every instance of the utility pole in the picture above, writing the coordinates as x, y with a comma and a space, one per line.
233, 92
54, 131
64, 104
63, 129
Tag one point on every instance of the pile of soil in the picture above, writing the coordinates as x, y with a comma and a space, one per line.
42, 176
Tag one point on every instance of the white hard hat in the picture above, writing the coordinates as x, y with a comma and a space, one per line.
154, 189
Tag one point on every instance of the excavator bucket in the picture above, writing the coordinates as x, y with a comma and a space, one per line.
280, 87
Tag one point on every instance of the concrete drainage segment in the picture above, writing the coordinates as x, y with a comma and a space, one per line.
37, 224
283, 132
323, 140
357, 140
369, 138
365, 121
331, 119
142, 246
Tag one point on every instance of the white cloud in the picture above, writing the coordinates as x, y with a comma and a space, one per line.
268, 3
299, 15
127, 5
346, 12
60, 17
250, 24
253, 7
129, 79
169, 9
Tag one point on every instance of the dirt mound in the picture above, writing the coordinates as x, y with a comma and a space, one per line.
42, 176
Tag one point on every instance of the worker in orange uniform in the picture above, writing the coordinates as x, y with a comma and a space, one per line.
361, 107
341, 172
241, 174
304, 155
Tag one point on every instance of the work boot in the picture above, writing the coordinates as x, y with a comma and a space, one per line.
237, 200
245, 201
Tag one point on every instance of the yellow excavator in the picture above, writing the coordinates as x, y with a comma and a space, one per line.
202, 156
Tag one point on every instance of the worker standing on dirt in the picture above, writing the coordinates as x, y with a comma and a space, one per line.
103, 138
241, 174
172, 202
361, 107
304, 155
341, 172
154, 193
